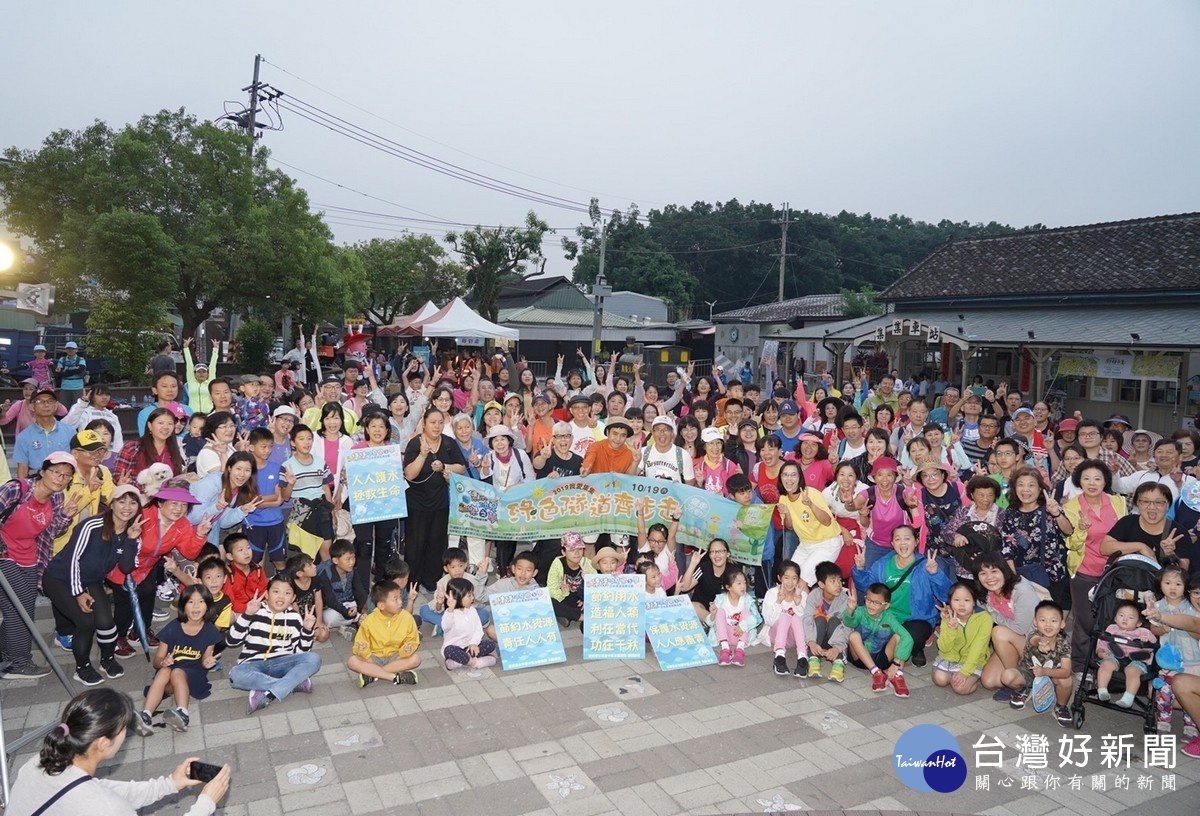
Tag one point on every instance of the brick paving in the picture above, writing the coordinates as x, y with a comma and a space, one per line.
595, 738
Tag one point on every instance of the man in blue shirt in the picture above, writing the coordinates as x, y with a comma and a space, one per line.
45, 436
73, 374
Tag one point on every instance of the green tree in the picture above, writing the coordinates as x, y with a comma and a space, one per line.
861, 303
497, 256
237, 234
403, 273
252, 344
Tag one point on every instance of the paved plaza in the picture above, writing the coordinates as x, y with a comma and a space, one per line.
602, 737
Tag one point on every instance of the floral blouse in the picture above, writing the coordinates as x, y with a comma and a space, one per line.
1033, 538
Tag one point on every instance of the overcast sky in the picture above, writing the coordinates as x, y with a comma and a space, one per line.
1019, 112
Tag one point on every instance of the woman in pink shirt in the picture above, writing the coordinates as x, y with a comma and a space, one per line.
1092, 515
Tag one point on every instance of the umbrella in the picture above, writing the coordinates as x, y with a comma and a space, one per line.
138, 622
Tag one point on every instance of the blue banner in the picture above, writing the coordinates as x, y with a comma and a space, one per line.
375, 479
527, 629
614, 618
605, 503
676, 635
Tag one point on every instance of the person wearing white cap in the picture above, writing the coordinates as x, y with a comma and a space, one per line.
196, 392
557, 459
505, 466
33, 512
1165, 470
662, 458
713, 469
71, 370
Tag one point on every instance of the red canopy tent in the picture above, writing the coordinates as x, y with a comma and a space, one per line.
409, 325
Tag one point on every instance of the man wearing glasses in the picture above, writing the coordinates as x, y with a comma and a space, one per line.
1166, 471
45, 436
1087, 434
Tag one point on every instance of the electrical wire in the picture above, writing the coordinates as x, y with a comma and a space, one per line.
447, 146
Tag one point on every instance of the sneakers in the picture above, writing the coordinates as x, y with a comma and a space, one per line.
801, 670
454, 665
30, 671
918, 658
348, 632
878, 681
1004, 695
151, 640
165, 591
143, 724
1192, 749
739, 656
1017, 699
781, 665
256, 701
123, 650
1063, 715
814, 667
305, 686
899, 686
405, 678
111, 668
88, 675
177, 719
485, 662
364, 680
160, 613
64, 641
838, 673
725, 657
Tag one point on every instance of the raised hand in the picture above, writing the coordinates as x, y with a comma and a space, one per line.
310, 619
254, 604
851, 600
134, 530
860, 555
450, 602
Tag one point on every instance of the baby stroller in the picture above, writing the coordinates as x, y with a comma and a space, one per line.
1126, 578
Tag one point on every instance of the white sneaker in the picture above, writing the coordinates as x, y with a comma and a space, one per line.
166, 591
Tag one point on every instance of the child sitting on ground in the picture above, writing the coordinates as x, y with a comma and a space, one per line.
824, 632
463, 643
1047, 654
213, 574
878, 636
783, 613
247, 579
184, 656
565, 579
1167, 617
524, 575
608, 561
1118, 653
385, 647
396, 570
303, 574
342, 594
276, 643
964, 641
733, 619
648, 568
455, 565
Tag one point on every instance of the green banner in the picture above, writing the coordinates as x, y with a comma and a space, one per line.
605, 503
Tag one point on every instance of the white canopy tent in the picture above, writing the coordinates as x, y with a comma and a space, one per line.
405, 325
456, 319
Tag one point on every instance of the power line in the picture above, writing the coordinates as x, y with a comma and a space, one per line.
447, 146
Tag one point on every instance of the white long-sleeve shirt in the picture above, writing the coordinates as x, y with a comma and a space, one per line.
96, 797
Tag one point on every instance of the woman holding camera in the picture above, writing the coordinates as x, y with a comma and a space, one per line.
61, 779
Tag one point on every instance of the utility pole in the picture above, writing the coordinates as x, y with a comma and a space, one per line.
599, 290
783, 250
710, 304
253, 109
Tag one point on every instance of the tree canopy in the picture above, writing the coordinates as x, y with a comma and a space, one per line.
494, 257
730, 251
402, 273
172, 212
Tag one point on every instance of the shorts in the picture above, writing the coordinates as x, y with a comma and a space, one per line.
950, 667
384, 659
882, 661
272, 539
1125, 662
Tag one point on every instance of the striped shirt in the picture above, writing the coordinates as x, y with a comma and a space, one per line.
267, 634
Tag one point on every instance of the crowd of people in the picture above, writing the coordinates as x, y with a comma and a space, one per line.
905, 518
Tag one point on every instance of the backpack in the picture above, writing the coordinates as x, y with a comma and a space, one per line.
678, 460
26, 492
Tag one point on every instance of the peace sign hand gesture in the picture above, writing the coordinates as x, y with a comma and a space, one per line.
1169, 541
860, 555
254, 604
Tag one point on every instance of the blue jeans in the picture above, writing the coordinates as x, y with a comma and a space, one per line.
876, 552
427, 615
786, 544
278, 675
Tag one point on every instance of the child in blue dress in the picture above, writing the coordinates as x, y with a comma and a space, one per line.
183, 659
